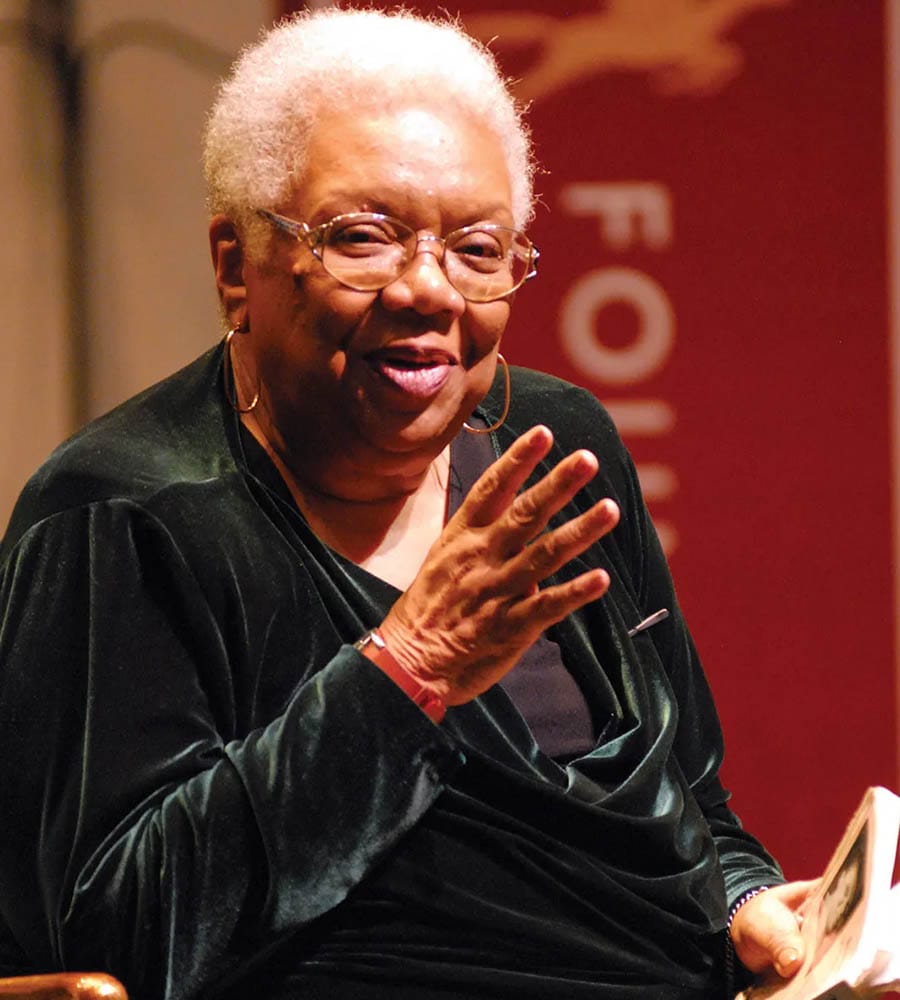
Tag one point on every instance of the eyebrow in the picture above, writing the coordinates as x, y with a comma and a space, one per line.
497, 214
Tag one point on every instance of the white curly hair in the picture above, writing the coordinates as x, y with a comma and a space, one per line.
322, 60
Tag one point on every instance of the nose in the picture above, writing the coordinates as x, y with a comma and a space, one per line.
424, 286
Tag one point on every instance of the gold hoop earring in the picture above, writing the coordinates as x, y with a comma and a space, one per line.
228, 375
503, 415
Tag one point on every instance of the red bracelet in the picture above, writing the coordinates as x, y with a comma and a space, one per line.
372, 646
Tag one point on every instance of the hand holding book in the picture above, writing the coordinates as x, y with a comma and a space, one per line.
766, 932
851, 919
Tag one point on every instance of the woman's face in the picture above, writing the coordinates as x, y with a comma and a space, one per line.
377, 380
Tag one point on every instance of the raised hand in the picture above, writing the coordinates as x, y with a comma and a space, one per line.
476, 604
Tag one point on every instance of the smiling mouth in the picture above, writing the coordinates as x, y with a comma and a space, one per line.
415, 376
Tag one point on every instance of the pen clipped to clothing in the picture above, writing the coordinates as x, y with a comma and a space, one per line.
657, 616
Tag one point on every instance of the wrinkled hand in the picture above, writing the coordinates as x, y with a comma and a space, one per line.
475, 606
766, 930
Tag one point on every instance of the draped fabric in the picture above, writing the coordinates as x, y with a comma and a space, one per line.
202, 779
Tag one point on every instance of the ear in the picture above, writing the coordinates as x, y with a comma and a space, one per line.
228, 263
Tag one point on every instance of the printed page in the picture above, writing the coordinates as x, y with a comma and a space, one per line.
885, 973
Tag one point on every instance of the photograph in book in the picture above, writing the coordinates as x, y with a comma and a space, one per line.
849, 922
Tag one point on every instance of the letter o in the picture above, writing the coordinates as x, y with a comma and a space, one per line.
619, 365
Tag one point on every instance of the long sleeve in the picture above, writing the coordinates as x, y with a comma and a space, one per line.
159, 840
698, 744
663, 655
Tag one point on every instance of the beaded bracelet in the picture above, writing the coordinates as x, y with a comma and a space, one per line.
747, 896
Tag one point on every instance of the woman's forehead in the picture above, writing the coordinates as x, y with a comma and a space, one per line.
403, 153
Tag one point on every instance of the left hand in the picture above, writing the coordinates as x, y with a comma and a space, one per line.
766, 929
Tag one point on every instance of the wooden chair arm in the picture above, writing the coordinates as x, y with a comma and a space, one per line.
63, 986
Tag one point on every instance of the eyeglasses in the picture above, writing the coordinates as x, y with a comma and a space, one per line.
366, 251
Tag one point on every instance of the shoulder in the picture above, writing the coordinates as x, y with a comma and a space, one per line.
172, 433
574, 414
578, 420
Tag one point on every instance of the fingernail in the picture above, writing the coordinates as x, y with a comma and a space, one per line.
786, 958
585, 461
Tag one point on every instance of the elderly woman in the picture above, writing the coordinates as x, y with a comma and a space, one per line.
323, 673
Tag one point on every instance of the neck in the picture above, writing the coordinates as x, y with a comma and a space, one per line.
385, 522
329, 476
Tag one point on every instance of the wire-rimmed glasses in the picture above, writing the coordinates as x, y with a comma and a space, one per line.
366, 251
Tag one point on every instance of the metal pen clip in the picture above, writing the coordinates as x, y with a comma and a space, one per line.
657, 616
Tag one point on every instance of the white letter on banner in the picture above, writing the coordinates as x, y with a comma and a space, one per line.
618, 365
619, 207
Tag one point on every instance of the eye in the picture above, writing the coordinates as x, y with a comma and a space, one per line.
481, 250
360, 237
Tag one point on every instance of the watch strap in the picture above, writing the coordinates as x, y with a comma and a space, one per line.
373, 647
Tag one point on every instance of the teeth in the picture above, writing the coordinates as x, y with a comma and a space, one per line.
408, 363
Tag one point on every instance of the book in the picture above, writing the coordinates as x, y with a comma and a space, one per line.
851, 920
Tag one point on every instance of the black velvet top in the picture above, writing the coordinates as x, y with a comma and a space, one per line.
202, 781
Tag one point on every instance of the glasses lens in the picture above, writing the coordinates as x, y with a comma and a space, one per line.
485, 264
367, 251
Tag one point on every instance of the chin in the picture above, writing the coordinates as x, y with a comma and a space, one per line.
423, 436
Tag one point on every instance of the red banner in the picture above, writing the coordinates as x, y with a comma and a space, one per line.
712, 229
